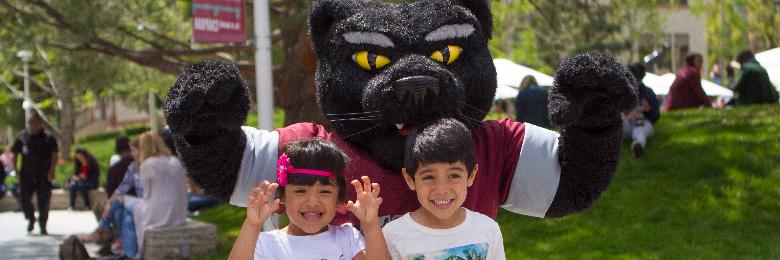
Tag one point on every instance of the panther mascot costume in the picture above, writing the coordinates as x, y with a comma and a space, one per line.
384, 68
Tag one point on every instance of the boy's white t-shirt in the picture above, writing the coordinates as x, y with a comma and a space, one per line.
478, 235
337, 243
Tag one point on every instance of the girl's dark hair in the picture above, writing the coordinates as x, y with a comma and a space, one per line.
91, 161
316, 154
690, 59
445, 140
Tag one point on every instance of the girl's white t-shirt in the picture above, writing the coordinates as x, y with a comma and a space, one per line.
337, 243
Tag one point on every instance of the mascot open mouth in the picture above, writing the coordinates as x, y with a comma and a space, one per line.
404, 129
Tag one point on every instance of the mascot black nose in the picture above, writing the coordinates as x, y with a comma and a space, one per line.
416, 91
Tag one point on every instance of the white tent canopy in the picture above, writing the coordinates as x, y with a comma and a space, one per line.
770, 60
510, 74
661, 84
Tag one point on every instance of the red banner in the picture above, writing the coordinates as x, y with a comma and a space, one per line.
218, 21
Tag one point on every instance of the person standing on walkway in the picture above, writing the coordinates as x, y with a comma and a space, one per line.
39, 158
753, 85
686, 90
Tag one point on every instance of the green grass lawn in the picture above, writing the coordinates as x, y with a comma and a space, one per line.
708, 186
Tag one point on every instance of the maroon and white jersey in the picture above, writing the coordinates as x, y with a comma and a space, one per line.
518, 168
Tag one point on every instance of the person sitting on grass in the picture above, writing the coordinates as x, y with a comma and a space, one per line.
638, 123
311, 186
439, 166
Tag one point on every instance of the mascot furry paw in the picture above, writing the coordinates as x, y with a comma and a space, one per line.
383, 69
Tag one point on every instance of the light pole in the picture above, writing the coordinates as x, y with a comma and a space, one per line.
777, 6
27, 104
263, 73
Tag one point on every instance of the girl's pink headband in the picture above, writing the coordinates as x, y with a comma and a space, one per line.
284, 167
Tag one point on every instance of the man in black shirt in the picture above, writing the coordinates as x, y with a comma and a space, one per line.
39, 158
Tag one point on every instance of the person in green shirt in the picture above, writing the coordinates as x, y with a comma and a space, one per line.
753, 85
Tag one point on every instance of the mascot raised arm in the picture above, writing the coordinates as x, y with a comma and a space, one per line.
385, 68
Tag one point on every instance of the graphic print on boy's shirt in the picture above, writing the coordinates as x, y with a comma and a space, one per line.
472, 251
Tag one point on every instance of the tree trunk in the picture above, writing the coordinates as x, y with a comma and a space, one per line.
66, 122
103, 107
295, 87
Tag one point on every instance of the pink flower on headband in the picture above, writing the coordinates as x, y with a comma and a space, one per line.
282, 167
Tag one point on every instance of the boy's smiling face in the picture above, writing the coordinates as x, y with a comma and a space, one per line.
441, 189
310, 208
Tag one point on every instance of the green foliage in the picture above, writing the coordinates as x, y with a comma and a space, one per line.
736, 25
514, 38
11, 112
251, 119
111, 135
540, 33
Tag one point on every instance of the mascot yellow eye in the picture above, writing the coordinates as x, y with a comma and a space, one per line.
370, 61
447, 55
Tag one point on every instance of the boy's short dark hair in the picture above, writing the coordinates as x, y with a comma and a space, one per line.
122, 144
445, 140
316, 154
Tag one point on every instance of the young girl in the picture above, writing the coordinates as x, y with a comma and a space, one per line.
311, 187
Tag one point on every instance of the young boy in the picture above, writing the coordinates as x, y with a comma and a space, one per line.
439, 167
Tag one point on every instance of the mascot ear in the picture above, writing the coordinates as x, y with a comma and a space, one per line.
480, 9
323, 14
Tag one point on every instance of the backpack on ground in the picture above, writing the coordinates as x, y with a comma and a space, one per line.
72, 249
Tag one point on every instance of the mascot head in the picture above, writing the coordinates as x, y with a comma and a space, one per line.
384, 68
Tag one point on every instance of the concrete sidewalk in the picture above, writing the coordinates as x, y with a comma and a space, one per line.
16, 243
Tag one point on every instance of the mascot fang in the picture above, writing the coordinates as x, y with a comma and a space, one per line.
385, 68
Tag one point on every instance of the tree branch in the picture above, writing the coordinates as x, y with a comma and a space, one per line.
28, 15
139, 37
13, 90
168, 61
46, 121
58, 17
34, 82
161, 35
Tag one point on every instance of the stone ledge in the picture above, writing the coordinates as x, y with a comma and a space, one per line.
59, 200
193, 239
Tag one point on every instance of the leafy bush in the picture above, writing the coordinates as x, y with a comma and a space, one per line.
110, 135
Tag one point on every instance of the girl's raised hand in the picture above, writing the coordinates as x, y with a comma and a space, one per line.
366, 208
257, 207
